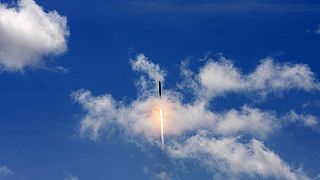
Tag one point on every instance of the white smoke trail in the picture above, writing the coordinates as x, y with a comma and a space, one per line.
161, 125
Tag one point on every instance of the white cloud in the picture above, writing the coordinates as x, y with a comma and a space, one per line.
140, 118
163, 176
71, 177
219, 77
232, 158
317, 31
142, 64
270, 76
5, 171
145, 170
101, 112
306, 119
189, 82
28, 34
147, 85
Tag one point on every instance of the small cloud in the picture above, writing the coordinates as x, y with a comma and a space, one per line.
163, 176
58, 69
143, 64
311, 104
317, 31
306, 119
5, 171
71, 177
145, 170
33, 35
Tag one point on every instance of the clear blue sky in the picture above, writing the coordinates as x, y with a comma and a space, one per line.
40, 120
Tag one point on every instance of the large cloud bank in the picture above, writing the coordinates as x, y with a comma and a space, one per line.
28, 34
192, 129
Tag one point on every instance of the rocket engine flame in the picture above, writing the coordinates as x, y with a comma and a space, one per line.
161, 126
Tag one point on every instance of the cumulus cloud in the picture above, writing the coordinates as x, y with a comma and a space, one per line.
5, 171
220, 130
28, 34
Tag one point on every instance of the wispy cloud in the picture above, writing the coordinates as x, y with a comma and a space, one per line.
71, 177
317, 30
306, 119
213, 7
5, 171
163, 176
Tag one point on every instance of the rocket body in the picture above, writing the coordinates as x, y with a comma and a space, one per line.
160, 89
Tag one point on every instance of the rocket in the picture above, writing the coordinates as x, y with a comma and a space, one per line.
160, 89
161, 120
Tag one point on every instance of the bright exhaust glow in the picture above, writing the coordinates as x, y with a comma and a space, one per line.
161, 125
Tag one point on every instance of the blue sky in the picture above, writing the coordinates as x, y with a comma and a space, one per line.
73, 104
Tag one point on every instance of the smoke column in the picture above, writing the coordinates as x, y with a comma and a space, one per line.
161, 125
